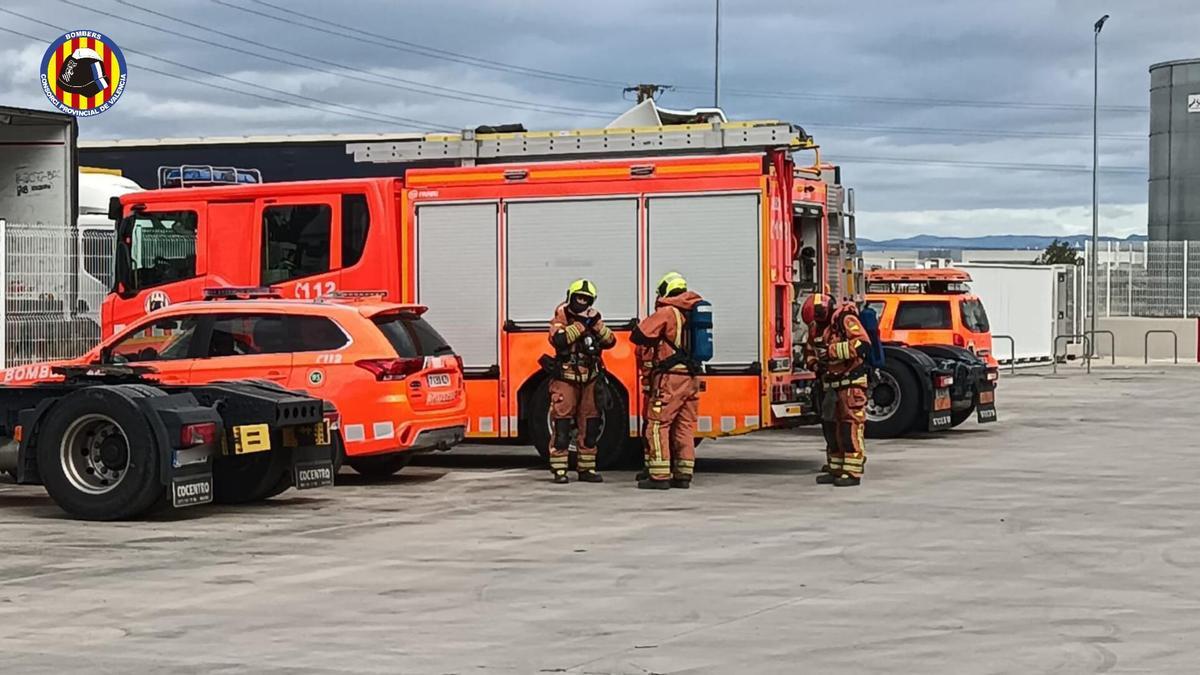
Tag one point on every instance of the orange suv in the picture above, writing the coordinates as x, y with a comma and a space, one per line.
397, 386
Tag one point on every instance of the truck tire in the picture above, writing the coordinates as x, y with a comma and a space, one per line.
97, 454
613, 447
380, 466
249, 478
893, 401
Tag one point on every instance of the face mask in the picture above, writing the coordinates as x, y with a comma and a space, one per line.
578, 307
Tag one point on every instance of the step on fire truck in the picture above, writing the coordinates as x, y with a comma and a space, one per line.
491, 235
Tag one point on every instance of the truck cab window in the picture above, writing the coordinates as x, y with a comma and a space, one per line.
356, 221
296, 241
163, 248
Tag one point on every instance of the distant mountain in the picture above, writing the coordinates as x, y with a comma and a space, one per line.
1031, 242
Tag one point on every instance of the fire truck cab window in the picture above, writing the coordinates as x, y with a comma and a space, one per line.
163, 248
296, 241
356, 220
923, 315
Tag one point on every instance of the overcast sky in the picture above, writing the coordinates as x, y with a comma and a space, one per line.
901, 93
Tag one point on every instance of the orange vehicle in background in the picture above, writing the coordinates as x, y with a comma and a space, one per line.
930, 307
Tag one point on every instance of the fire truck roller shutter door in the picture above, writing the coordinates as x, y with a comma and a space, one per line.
713, 241
457, 242
552, 243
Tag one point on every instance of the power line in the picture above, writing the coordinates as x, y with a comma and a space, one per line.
390, 82
394, 43
369, 115
978, 164
896, 100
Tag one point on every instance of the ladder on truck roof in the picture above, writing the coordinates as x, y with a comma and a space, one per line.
470, 147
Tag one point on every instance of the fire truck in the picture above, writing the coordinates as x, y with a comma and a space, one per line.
490, 236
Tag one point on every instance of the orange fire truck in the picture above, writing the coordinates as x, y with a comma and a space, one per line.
491, 243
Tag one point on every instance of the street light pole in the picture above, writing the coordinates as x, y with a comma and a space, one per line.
717, 60
1093, 265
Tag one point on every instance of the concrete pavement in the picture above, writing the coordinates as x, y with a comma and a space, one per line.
1061, 539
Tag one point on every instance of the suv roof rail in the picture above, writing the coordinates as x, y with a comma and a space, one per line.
351, 295
241, 293
201, 175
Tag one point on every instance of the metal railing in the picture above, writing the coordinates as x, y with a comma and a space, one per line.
1112, 343
1087, 350
1012, 351
1160, 331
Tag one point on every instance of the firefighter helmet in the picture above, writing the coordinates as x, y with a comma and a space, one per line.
817, 308
83, 73
672, 283
582, 287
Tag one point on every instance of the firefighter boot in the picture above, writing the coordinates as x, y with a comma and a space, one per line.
590, 477
560, 477
652, 484
826, 478
846, 480
642, 475
681, 483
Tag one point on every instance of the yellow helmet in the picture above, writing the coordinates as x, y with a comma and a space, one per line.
672, 283
582, 287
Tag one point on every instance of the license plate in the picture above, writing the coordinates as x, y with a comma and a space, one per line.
251, 438
441, 380
313, 475
191, 491
987, 397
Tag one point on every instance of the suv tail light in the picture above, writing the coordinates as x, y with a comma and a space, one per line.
201, 433
943, 381
334, 418
386, 370
461, 367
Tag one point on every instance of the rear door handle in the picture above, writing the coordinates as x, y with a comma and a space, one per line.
276, 374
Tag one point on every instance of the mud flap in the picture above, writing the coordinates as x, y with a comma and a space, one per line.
312, 466
939, 416
985, 404
191, 489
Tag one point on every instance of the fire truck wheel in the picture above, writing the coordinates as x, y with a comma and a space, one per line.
380, 466
249, 478
893, 401
97, 454
614, 445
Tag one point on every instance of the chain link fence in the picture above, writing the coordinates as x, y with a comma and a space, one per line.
1146, 279
44, 315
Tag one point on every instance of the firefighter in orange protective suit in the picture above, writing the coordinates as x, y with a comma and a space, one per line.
672, 388
836, 350
578, 336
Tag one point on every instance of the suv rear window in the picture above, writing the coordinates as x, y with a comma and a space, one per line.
974, 317
923, 315
412, 336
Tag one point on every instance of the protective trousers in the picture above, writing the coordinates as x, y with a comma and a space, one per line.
670, 431
573, 402
843, 419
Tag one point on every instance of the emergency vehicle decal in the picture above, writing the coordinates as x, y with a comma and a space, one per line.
33, 371
383, 430
157, 300
83, 73
316, 377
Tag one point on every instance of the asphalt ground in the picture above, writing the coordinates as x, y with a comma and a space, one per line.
1063, 538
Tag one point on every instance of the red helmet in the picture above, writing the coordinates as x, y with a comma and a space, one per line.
817, 308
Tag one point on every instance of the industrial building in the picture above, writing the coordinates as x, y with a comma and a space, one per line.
1175, 151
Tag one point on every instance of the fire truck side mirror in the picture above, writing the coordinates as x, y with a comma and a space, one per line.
114, 209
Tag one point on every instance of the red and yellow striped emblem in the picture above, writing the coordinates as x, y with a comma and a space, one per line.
83, 73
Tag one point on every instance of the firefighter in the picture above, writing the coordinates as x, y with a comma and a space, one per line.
578, 336
669, 379
836, 349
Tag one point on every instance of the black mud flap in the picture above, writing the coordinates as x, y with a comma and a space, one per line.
191, 490
312, 466
985, 405
939, 415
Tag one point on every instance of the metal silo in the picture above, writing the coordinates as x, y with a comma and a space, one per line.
1175, 150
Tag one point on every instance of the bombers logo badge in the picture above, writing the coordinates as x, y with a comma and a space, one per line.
83, 73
